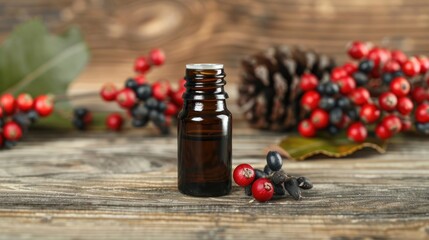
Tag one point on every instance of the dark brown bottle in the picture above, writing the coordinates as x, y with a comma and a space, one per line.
204, 133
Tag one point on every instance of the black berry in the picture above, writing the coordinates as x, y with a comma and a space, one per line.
274, 160
422, 127
143, 92
366, 66
136, 122
162, 106
260, 174
80, 112
360, 78
344, 103
327, 103
33, 116
131, 83
331, 88
79, 124
333, 130
140, 111
151, 103
387, 78
353, 114
267, 170
336, 115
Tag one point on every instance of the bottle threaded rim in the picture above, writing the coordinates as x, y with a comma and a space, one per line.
204, 66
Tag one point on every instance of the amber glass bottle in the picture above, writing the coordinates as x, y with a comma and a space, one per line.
204, 133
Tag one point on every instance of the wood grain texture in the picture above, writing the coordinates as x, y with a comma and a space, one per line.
110, 186
219, 30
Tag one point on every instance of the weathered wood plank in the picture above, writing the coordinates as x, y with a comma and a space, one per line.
89, 186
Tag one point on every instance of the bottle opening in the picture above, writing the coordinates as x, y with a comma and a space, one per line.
201, 66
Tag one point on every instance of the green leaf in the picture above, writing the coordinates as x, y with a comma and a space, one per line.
299, 148
34, 61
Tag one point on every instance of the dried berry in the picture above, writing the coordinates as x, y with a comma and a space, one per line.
292, 187
304, 183
278, 177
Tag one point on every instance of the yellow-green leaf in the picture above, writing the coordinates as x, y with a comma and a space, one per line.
299, 148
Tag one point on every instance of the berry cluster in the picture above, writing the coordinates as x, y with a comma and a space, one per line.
379, 87
272, 181
144, 102
17, 114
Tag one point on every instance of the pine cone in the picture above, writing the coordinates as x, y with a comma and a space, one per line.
268, 92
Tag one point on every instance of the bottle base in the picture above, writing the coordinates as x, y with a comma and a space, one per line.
205, 189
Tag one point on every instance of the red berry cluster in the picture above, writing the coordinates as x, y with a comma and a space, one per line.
272, 181
379, 87
145, 102
17, 114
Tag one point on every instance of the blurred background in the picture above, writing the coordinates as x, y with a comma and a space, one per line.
222, 31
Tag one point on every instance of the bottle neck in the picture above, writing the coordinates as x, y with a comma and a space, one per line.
205, 84
217, 105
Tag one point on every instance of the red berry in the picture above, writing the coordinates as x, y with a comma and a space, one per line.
391, 66
306, 128
126, 98
262, 190
357, 50
319, 118
345, 121
357, 132
108, 92
337, 73
114, 121
418, 94
350, 67
171, 109
243, 175
378, 56
382, 132
1, 112
398, 56
411, 67
369, 113
422, 113
12, 131
360, 96
177, 97
406, 124
141, 65
405, 105
400, 86
1, 140
308, 82
44, 105
8, 103
87, 119
24, 102
388, 101
160, 90
157, 57
424, 64
310, 100
392, 123
140, 79
347, 84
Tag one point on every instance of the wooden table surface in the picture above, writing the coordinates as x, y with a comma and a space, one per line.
123, 186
